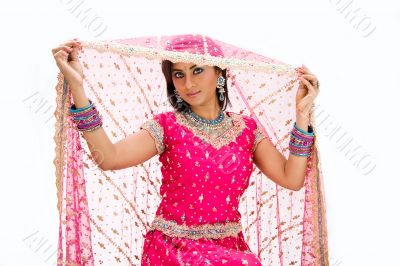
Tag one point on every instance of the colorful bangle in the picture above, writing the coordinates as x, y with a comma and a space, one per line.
93, 121
87, 118
301, 142
73, 109
310, 130
85, 115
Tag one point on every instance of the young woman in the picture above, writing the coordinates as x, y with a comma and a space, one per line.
206, 154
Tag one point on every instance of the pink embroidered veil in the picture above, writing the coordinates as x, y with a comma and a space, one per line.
105, 214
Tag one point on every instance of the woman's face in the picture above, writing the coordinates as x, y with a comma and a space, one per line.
195, 84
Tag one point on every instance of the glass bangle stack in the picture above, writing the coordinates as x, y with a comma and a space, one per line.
301, 142
86, 118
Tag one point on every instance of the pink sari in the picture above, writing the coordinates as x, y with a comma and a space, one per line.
201, 201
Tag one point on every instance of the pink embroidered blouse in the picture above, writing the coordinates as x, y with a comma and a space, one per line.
205, 172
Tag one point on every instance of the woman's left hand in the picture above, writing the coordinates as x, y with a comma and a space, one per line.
307, 91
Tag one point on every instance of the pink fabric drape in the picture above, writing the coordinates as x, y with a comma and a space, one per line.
104, 215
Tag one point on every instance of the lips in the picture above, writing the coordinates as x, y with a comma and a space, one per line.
193, 94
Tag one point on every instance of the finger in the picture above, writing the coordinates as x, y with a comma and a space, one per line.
72, 43
310, 97
299, 70
311, 91
61, 50
75, 48
304, 70
74, 55
61, 56
62, 47
309, 86
311, 78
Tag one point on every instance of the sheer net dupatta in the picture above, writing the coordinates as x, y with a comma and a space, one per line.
104, 215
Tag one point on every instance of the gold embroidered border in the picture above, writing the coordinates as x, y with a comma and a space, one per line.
215, 231
154, 53
259, 135
157, 133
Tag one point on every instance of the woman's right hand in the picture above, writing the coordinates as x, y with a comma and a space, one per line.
66, 56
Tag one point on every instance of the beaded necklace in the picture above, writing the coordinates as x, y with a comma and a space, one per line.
214, 127
207, 122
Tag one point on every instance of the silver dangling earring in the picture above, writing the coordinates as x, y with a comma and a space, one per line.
178, 99
220, 86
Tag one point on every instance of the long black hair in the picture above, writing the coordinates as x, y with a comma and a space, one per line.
166, 67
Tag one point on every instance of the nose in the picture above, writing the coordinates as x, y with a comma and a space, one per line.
188, 82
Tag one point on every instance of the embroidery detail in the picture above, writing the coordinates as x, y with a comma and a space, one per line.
225, 134
157, 132
199, 59
217, 230
259, 134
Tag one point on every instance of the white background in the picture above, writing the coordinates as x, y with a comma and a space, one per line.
358, 72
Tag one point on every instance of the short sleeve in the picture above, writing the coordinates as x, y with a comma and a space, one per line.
156, 130
259, 134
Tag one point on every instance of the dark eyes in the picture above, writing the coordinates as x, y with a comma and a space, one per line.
196, 71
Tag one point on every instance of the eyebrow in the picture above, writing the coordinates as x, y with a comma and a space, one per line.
175, 69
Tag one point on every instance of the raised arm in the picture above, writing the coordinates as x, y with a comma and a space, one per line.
288, 173
131, 151
272, 163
